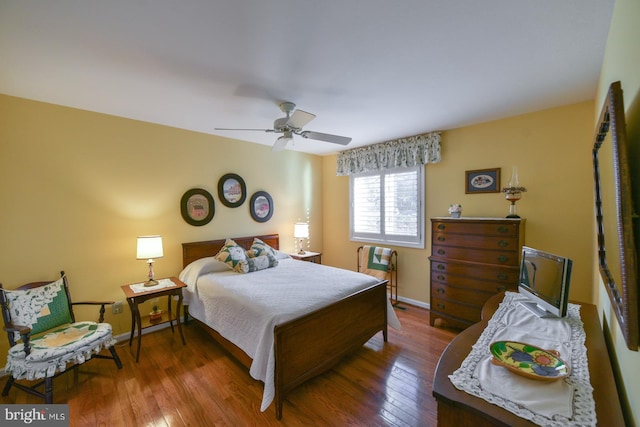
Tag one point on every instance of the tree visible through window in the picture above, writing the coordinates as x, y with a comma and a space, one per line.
387, 207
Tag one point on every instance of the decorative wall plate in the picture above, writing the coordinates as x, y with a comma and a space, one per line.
197, 207
261, 206
231, 190
528, 360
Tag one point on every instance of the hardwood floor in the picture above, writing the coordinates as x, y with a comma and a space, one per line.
201, 385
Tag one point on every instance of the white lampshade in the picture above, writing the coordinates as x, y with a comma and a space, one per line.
149, 247
301, 230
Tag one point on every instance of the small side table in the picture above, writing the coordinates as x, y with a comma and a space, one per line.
315, 257
141, 322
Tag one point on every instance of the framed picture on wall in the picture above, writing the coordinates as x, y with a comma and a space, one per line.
196, 207
261, 206
231, 190
482, 181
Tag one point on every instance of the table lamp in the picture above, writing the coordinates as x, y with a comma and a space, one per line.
150, 247
301, 231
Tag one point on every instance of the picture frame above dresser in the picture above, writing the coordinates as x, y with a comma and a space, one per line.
471, 260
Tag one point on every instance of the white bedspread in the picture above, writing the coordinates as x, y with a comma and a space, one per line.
245, 308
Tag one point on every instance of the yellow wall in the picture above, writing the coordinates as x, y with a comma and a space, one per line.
552, 150
622, 62
78, 187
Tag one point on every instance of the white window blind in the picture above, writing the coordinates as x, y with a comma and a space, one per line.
387, 207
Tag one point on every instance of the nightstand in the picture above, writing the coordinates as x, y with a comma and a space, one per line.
315, 257
136, 293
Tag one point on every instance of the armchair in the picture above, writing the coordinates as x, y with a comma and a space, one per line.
44, 336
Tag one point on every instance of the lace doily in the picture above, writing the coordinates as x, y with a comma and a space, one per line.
465, 378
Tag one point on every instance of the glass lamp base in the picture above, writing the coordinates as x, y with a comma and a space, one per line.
512, 211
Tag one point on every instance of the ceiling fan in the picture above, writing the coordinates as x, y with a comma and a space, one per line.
292, 124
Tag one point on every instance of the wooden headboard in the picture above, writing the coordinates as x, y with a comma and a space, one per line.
196, 250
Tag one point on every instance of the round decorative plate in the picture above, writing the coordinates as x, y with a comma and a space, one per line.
528, 360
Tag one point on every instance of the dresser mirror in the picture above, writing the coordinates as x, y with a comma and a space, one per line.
614, 215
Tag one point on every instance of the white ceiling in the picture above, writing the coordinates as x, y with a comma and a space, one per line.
373, 70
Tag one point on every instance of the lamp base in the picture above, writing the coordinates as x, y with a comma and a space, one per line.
512, 216
150, 282
301, 252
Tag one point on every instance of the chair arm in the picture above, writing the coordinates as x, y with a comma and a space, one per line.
25, 334
93, 303
100, 303
23, 330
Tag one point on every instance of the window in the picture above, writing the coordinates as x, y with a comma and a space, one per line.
387, 207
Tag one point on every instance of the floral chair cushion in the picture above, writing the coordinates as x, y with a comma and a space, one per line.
41, 308
51, 352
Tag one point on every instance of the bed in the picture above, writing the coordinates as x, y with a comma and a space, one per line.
297, 345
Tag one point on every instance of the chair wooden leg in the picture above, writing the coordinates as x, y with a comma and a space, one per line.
48, 390
116, 358
7, 386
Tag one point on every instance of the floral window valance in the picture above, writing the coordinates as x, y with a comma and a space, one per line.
405, 152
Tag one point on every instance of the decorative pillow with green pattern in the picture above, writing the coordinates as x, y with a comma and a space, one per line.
261, 262
259, 248
40, 308
234, 256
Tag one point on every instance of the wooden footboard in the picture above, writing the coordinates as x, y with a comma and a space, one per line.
312, 344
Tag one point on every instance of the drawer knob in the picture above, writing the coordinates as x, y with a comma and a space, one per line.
440, 277
440, 291
440, 267
440, 306
441, 238
503, 229
502, 276
441, 226
501, 288
441, 251
503, 258
503, 243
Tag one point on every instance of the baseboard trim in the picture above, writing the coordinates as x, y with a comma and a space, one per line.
414, 302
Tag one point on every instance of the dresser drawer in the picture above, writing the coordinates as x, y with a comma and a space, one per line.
445, 268
488, 228
476, 241
472, 283
461, 295
477, 255
464, 312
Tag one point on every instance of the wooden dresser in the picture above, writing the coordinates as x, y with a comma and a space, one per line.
471, 260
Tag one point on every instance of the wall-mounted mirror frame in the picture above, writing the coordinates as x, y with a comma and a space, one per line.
618, 266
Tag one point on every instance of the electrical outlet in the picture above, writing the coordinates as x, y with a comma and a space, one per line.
116, 308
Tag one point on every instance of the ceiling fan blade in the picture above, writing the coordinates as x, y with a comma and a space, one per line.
299, 118
342, 140
260, 130
280, 144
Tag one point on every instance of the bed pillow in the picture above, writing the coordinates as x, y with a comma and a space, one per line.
260, 248
282, 255
201, 266
261, 262
233, 256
